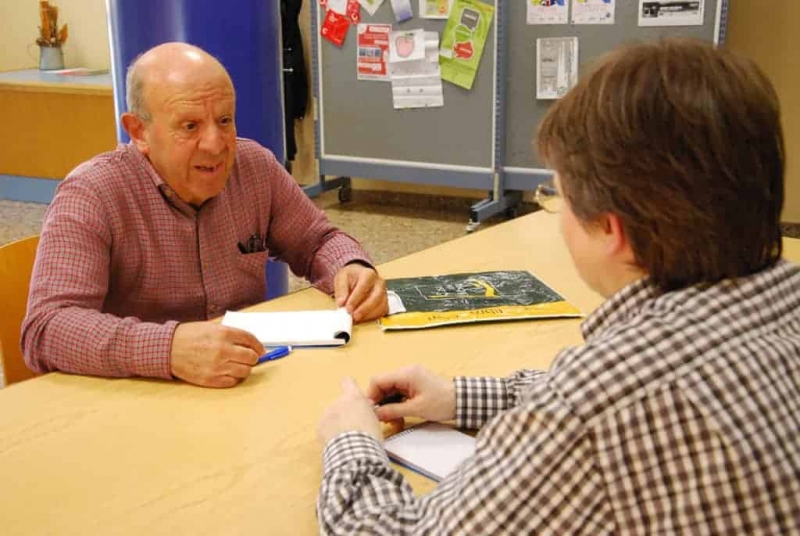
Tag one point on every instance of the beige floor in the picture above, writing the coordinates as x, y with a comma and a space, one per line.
388, 225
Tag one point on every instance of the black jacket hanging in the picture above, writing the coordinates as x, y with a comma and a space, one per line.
295, 81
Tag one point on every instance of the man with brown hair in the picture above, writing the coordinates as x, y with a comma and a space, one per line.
679, 413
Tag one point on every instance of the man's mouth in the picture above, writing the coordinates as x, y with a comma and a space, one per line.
208, 168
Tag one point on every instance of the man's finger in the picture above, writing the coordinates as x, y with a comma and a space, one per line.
237, 370
393, 412
349, 386
341, 287
360, 292
387, 383
375, 306
244, 338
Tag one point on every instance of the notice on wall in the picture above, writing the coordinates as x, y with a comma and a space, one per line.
435, 9
672, 13
370, 5
556, 66
463, 40
416, 78
547, 11
593, 11
373, 51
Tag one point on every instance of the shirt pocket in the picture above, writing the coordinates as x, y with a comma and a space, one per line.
253, 273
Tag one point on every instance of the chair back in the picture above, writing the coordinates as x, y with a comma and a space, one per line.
16, 265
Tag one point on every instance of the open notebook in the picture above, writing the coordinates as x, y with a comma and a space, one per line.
295, 328
431, 449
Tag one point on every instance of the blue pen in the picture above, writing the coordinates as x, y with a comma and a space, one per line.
277, 353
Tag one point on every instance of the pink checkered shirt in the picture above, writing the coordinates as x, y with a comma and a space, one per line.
122, 260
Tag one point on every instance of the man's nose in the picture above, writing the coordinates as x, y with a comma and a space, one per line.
212, 140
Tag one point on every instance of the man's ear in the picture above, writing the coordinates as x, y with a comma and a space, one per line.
137, 130
615, 237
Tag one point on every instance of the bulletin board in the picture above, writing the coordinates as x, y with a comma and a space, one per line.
360, 134
523, 111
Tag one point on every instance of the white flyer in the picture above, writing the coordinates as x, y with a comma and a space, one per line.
418, 84
593, 11
547, 11
406, 45
556, 66
370, 5
339, 6
402, 10
671, 13
435, 9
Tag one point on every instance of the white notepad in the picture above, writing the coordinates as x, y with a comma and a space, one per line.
295, 328
432, 449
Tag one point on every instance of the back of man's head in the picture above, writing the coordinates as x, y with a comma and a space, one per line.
683, 142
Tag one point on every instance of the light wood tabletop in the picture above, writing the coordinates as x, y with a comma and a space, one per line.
82, 455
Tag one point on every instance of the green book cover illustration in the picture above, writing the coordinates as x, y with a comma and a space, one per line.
433, 301
463, 41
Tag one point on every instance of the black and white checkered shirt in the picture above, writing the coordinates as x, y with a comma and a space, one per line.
680, 414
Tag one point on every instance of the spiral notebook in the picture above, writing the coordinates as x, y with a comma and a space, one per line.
431, 449
295, 328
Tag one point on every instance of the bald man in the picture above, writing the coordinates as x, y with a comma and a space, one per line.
142, 245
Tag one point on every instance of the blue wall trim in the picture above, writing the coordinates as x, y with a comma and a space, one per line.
30, 189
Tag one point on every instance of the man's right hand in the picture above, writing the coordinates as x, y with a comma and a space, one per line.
212, 355
427, 395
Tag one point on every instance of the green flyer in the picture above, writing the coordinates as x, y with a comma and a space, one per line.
463, 40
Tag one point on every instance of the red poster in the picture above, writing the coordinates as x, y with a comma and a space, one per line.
373, 51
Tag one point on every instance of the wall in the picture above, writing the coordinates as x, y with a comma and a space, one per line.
87, 45
763, 32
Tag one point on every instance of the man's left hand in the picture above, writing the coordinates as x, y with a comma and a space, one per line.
351, 412
361, 291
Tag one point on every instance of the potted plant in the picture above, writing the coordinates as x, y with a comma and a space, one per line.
51, 38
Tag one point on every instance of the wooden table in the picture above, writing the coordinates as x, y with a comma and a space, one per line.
83, 455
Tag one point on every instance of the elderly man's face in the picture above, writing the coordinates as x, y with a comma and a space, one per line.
191, 136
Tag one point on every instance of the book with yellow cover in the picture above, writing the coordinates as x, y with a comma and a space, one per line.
426, 302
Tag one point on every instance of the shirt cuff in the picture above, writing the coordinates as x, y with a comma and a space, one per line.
153, 349
350, 447
479, 399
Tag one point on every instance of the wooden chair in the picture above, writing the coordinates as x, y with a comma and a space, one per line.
16, 265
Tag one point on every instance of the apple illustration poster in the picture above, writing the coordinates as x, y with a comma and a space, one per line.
463, 41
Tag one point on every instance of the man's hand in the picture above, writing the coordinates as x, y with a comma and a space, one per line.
361, 291
352, 412
427, 395
212, 355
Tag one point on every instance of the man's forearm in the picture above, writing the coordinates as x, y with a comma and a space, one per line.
83, 341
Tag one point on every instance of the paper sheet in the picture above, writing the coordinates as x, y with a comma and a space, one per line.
556, 66
671, 13
463, 41
402, 10
547, 11
373, 51
295, 328
593, 11
416, 83
435, 9
371, 5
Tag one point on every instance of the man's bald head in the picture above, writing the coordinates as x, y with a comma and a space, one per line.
176, 63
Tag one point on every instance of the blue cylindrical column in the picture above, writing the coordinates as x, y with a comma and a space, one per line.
244, 35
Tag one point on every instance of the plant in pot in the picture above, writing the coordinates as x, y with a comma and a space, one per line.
51, 38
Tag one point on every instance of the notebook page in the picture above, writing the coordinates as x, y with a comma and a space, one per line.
296, 328
432, 449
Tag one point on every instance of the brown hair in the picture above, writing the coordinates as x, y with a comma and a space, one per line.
683, 142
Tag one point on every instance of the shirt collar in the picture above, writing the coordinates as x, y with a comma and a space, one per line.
621, 306
166, 191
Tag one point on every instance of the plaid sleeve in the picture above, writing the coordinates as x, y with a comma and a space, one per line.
480, 399
301, 235
533, 471
64, 328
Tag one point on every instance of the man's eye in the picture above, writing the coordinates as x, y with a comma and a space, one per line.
226, 121
190, 126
